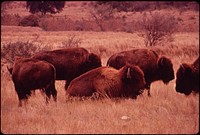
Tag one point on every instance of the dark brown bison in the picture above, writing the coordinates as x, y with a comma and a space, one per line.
155, 67
30, 74
109, 82
187, 78
70, 62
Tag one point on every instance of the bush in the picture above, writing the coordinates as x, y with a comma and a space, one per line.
72, 41
157, 28
23, 49
30, 20
10, 20
101, 14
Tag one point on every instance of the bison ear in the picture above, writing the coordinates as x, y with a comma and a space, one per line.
185, 68
92, 57
162, 61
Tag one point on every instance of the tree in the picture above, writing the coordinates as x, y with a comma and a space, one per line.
102, 13
45, 6
158, 28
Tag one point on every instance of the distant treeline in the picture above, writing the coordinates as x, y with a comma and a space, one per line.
151, 5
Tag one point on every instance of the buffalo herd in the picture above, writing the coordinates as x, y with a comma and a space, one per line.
127, 73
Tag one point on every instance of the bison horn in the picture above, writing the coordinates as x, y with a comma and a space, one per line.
128, 73
182, 67
161, 61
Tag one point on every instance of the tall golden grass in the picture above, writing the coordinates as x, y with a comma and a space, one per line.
166, 112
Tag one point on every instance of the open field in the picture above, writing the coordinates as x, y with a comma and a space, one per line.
184, 47
77, 16
165, 112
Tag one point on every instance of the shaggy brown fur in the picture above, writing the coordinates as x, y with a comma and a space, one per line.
30, 74
70, 62
155, 67
187, 78
109, 82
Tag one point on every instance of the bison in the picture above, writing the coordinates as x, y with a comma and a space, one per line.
70, 62
187, 78
109, 82
155, 67
30, 74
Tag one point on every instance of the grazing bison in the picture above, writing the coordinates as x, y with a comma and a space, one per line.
155, 67
187, 78
30, 74
109, 82
70, 62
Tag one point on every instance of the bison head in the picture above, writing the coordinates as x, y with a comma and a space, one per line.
185, 79
166, 69
92, 61
133, 77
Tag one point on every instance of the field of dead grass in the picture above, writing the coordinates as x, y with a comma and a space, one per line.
165, 112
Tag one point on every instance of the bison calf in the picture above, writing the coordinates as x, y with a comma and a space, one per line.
70, 62
155, 67
187, 78
109, 82
30, 74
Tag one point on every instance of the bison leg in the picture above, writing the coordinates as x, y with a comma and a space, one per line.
54, 93
20, 103
66, 84
48, 94
147, 86
149, 94
25, 102
21, 96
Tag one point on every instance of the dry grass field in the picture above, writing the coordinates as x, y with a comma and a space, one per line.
165, 112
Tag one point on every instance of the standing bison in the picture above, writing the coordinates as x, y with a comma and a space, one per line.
109, 82
155, 67
70, 62
30, 74
187, 78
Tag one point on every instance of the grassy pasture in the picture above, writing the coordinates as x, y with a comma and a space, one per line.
77, 16
165, 112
